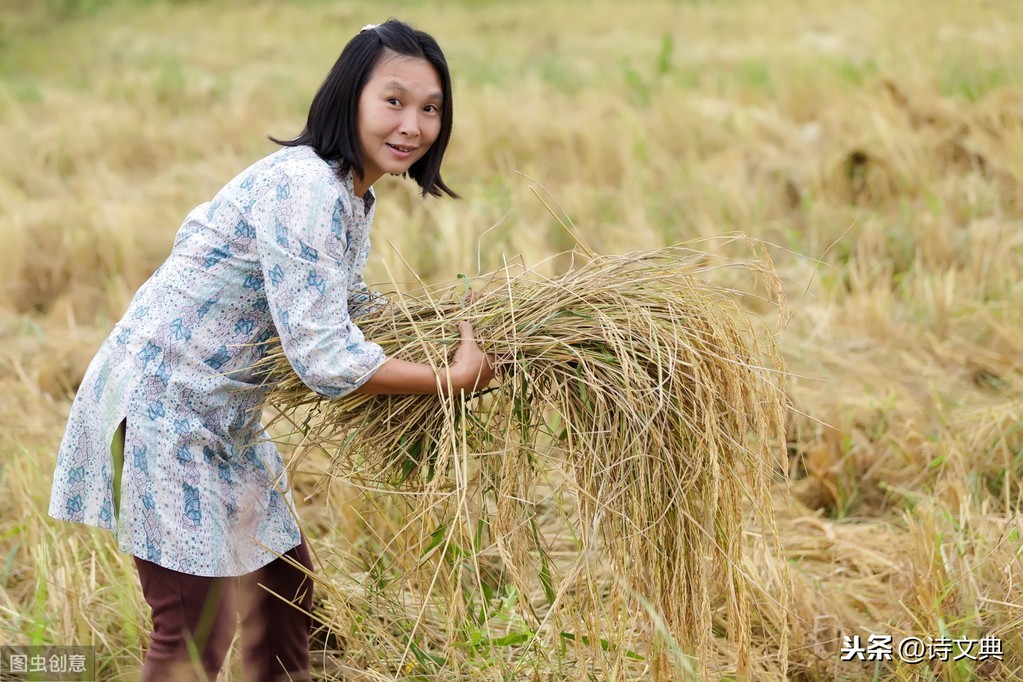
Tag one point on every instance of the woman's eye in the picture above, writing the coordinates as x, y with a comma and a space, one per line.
432, 108
394, 101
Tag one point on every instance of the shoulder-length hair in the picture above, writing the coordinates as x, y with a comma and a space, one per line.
331, 128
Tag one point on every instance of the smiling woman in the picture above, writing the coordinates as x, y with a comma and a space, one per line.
200, 495
397, 87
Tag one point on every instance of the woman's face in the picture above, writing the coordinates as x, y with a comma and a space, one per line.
399, 116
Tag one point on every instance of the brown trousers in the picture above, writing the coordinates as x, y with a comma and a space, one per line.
194, 621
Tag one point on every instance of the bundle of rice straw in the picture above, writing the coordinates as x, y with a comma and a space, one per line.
645, 380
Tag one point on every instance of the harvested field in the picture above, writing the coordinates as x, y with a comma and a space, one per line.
875, 148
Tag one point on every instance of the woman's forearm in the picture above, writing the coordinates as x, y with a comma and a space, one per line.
402, 377
470, 370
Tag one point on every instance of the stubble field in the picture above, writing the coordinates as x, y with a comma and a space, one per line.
876, 146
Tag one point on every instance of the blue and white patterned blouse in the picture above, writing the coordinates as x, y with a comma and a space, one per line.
280, 251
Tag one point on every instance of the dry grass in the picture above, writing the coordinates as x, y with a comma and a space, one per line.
879, 145
631, 375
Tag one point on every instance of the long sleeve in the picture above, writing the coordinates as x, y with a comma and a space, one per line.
309, 279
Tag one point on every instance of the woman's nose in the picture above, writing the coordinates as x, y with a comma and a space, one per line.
409, 123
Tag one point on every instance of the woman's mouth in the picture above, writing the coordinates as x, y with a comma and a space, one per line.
401, 151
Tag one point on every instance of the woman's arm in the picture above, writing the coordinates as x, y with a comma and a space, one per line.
471, 370
306, 287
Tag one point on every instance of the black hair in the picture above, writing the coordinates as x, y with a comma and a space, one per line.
331, 128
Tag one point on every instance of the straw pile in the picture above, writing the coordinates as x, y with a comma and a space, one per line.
644, 380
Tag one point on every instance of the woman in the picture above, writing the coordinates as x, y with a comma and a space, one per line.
201, 500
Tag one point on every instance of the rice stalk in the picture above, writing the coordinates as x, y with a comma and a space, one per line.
645, 383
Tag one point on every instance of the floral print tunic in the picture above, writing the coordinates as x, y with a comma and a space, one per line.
280, 251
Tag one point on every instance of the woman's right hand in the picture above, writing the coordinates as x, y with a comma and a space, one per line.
471, 369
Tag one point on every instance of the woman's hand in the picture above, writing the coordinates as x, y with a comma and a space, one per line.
471, 369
